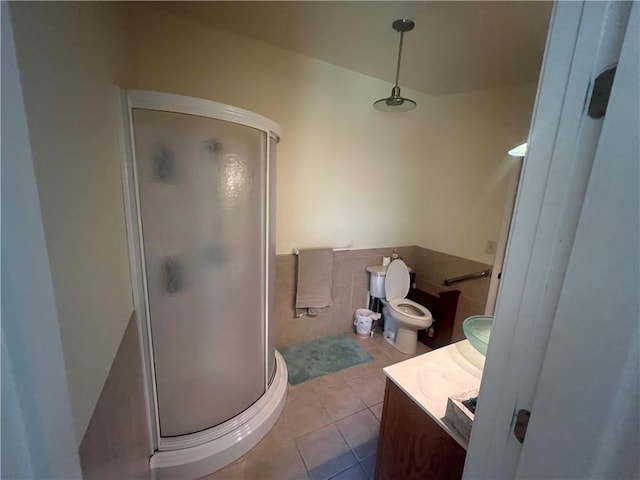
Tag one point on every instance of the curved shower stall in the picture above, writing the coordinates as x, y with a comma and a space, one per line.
200, 180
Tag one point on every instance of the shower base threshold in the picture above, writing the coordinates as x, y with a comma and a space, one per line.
201, 454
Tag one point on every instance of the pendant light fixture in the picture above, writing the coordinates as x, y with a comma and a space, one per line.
397, 103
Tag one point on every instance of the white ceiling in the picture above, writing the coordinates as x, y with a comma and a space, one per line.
455, 46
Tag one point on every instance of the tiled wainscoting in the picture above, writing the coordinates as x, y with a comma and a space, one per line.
433, 267
351, 283
349, 292
116, 443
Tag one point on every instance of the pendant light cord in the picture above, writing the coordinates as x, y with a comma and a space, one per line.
399, 58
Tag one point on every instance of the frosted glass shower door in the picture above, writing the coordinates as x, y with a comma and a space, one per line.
201, 187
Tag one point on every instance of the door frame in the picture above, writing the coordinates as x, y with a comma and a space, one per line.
38, 436
556, 169
513, 180
593, 357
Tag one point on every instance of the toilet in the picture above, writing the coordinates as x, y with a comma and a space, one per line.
402, 317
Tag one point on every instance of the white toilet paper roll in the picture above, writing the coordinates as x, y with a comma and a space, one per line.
386, 261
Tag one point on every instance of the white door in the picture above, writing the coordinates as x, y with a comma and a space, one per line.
567, 311
585, 420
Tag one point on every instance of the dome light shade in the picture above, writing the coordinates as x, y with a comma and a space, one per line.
396, 102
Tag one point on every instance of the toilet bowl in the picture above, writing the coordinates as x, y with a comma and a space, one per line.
407, 316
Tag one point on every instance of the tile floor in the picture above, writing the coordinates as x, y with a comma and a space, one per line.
329, 426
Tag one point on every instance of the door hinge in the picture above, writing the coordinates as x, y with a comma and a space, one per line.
601, 93
522, 422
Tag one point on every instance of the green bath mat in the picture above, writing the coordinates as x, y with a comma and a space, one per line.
320, 357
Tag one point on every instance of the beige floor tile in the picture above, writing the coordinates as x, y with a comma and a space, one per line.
327, 381
377, 410
314, 385
376, 349
422, 349
380, 374
340, 401
325, 452
384, 343
352, 373
305, 414
279, 438
286, 465
389, 354
232, 472
360, 430
302, 390
368, 344
381, 361
398, 356
392, 361
370, 388
377, 337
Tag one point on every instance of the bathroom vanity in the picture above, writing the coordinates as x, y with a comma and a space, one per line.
416, 441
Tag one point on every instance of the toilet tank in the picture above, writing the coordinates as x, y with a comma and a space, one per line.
376, 280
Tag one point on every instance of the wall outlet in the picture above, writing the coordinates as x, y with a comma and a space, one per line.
490, 248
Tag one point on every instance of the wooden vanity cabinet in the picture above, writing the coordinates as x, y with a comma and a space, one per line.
412, 445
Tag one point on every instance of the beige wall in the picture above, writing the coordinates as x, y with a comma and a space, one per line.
69, 59
465, 168
348, 174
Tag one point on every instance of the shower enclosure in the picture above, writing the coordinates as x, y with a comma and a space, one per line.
200, 188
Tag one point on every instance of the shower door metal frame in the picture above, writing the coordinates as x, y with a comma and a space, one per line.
166, 102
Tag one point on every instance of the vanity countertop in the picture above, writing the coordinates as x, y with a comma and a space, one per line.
431, 378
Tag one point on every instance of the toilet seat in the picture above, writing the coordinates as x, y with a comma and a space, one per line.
396, 284
396, 287
413, 313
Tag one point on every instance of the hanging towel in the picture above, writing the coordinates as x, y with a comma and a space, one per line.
315, 270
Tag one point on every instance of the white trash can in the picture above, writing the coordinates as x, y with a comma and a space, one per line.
363, 320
